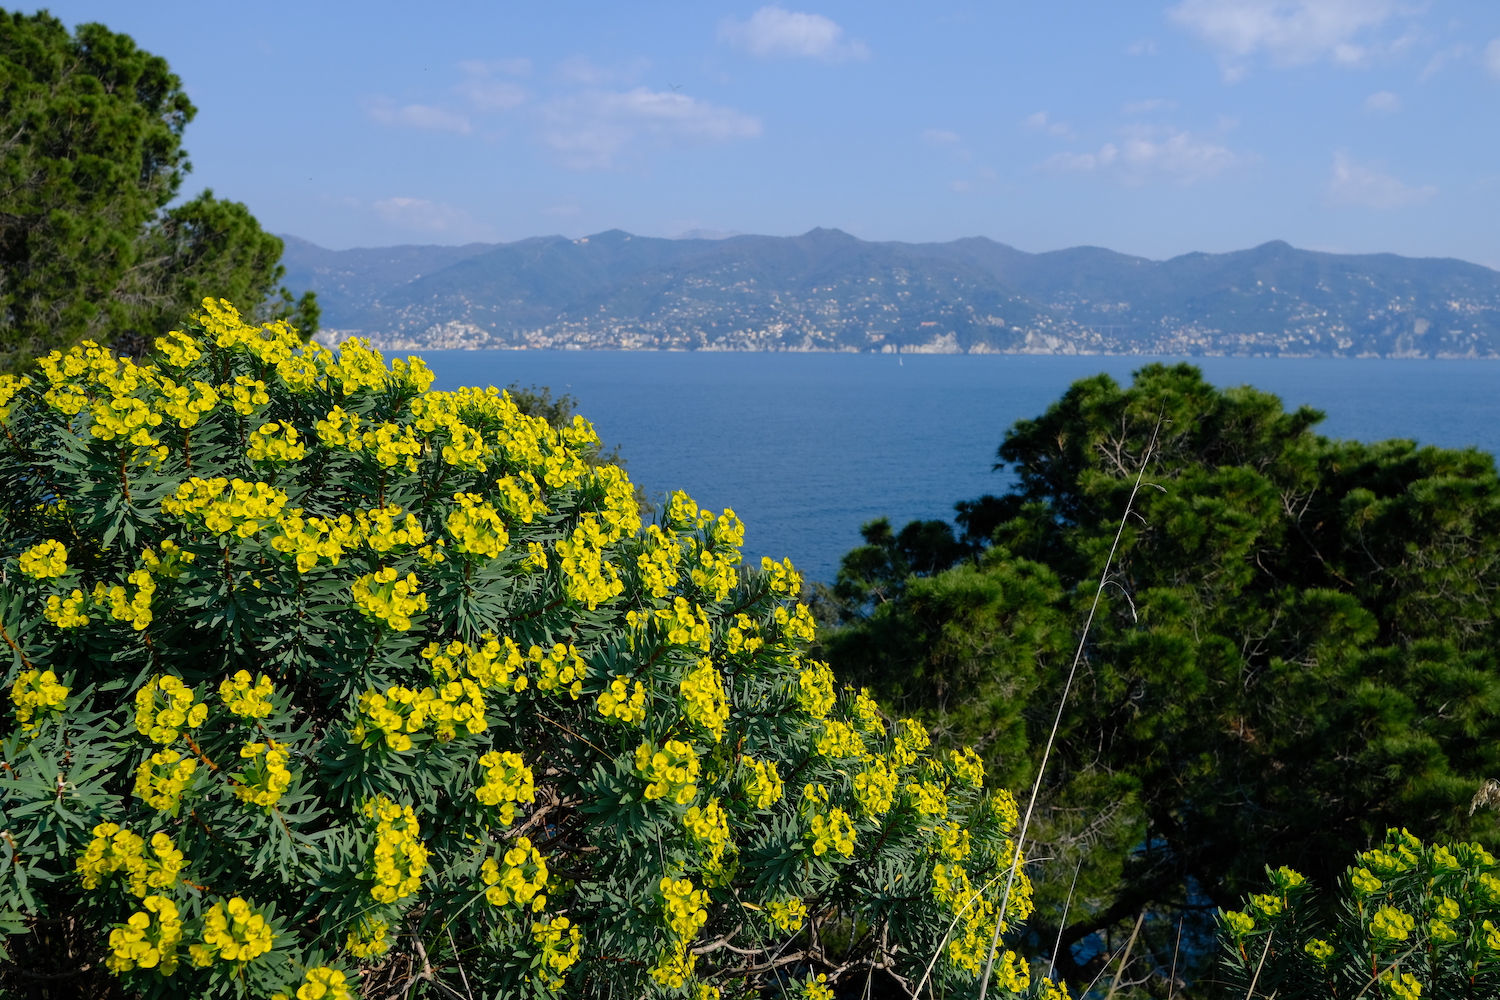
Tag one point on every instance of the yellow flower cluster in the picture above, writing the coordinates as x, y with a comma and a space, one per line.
339, 430
127, 418
684, 908
246, 394
243, 510
161, 779
9, 386
164, 707
683, 624
975, 914
560, 943
787, 914
683, 514
816, 988
953, 842
400, 858
168, 565
839, 740
867, 714
743, 637
713, 572
396, 713
588, 578
1320, 951
272, 343
928, 797
831, 830
266, 778
36, 693
148, 940
781, 577
1402, 985
815, 689
49, 558
384, 597
708, 828
186, 404
911, 739
521, 881
674, 967
67, 612
967, 766
116, 849
321, 983
368, 937
476, 526
1003, 805
391, 444
875, 787
559, 669
247, 700
358, 367
126, 608
276, 442
658, 561
232, 932
507, 784
798, 623
618, 701
521, 497
703, 699
671, 773
494, 664
458, 703
1389, 925
762, 783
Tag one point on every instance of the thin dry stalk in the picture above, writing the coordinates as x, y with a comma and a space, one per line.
1063, 923
1172, 983
1036, 786
1125, 958
1259, 965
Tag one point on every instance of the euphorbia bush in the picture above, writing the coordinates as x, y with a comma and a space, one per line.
1409, 921
323, 681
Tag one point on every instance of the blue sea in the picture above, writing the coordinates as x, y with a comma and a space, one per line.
807, 447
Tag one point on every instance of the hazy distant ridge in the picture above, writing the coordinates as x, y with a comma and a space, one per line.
828, 291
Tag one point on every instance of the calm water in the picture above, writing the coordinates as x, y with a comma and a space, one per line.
806, 447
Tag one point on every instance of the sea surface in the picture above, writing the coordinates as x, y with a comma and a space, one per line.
807, 447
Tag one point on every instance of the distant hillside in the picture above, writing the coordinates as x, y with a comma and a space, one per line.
828, 291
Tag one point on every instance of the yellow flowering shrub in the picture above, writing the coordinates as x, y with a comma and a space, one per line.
1426, 926
319, 676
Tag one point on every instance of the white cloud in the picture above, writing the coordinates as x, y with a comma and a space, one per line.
423, 116
1041, 123
1356, 185
423, 216
486, 93
1289, 31
940, 137
775, 31
1492, 57
1145, 47
1384, 101
589, 131
1148, 152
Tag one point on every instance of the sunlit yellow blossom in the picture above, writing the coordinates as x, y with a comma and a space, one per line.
161, 779
619, 701
164, 706
559, 943
508, 784
369, 937
232, 932
246, 698
115, 849
399, 859
276, 442
671, 773
37, 694
148, 940
518, 878
385, 597
67, 612
265, 778
762, 783
45, 559
703, 699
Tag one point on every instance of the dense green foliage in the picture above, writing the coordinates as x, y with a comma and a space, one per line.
319, 680
1297, 648
1412, 921
92, 157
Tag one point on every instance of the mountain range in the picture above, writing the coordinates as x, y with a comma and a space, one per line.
828, 291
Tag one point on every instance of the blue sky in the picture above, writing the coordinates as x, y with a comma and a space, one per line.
1147, 127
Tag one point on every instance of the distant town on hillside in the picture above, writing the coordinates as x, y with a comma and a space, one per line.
828, 291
